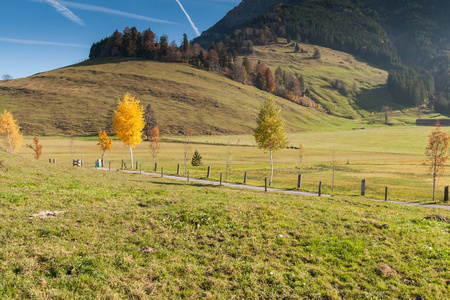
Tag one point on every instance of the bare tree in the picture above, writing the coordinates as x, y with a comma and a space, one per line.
7, 77
387, 113
187, 145
437, 153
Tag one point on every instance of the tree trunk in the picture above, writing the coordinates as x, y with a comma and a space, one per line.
9, 141
271, 168
226, 177
103, 159
434, 187
131, 156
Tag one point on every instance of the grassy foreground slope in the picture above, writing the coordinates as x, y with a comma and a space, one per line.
150, 238
79, 99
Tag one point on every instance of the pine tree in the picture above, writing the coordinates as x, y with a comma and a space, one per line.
196, 159
316, 54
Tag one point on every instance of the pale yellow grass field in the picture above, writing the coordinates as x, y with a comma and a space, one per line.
385, 157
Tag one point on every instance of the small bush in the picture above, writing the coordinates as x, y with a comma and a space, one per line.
196, 159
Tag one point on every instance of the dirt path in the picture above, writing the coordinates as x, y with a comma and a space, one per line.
257, 188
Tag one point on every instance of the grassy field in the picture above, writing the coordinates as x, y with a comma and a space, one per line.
386, 157
113, 235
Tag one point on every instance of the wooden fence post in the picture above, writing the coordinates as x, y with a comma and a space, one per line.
137, 164
220, 178
385, 193
446, 194
162, 171
178, 169
265, 184
320, 188
363, 187
299, 181
109, 166
155, 167
245, 177
187, 176
122, 165
209, 172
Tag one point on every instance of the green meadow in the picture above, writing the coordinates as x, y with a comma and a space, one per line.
80, 233
390, 157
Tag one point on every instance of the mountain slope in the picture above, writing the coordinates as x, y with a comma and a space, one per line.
79, 100
383, 32
238, 16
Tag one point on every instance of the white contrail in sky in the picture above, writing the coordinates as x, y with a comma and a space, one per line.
189, 18
65, 11
112, 12
33, 42
106, 10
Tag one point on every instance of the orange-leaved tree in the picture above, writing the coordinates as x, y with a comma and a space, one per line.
105, 143
11, 131
37, 148
128, 122
155, 142
270, 132
437, 153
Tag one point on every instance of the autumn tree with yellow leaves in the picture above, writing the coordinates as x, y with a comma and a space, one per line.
128, 122
437, 153
105, 143
270, 132
11, 131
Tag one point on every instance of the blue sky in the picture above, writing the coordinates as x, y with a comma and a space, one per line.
41, 35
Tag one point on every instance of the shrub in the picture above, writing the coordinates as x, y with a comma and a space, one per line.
196, 159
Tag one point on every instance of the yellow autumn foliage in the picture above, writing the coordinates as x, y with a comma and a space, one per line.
11, 131
270, 133
128, 121
105, 142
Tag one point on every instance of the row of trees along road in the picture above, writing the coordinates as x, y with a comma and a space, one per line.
270, 135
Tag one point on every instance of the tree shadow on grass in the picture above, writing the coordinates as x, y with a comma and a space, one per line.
374, 99
184, 183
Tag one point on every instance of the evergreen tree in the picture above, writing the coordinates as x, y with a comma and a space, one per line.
316, 54
185, 43
196, 159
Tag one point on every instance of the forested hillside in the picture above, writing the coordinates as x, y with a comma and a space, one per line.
386, 33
